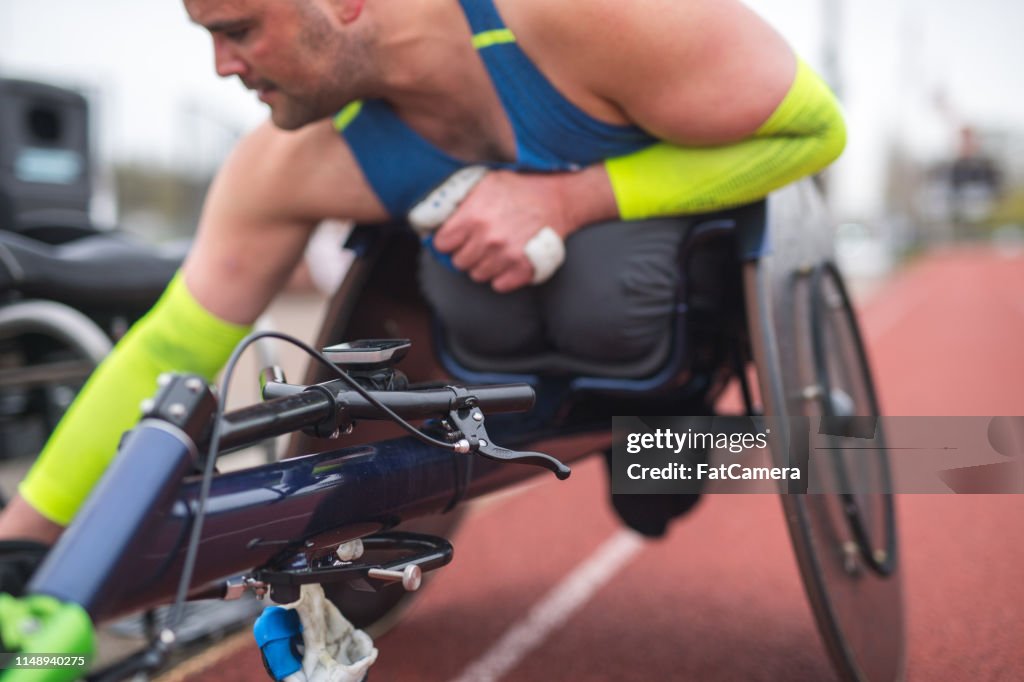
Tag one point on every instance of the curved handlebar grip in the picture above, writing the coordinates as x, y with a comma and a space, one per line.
437, 401
416, 403
289, 408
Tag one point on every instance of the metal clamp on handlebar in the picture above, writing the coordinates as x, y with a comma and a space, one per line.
184, 401
466, 421
336, 423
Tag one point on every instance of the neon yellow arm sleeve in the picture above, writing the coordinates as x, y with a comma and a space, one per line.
802, 136
178, 334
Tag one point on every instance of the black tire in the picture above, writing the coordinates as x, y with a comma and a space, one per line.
812, 364
48, 351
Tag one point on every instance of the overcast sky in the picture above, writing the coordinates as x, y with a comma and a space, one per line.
149, 74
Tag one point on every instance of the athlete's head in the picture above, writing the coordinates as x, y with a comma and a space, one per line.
305, 58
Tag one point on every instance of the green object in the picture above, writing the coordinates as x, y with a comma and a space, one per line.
48, 640
498, 36
178, 334
347, 115
804, 134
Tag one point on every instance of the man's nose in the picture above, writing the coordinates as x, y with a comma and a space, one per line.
226, 59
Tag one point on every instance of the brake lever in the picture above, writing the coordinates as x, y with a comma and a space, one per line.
465, 415
498, 453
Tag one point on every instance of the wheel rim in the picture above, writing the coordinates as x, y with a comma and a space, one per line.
858, 609
835, 402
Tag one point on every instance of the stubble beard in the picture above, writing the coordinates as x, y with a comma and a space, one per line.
340, 65
293, 111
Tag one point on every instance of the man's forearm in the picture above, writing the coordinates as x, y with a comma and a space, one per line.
177, 335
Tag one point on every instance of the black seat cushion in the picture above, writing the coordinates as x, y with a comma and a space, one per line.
101, 271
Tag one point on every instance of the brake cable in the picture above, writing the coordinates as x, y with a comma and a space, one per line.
168, 636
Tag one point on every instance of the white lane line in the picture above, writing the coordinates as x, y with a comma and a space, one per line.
557, 606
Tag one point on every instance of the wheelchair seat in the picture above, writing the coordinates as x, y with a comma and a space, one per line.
705, 289
99, 271
757, 282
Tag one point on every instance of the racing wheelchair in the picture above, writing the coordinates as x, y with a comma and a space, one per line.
758, 291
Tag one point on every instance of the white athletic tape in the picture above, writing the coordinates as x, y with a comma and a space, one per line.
334, 650
546, 252
350, 551
430, 214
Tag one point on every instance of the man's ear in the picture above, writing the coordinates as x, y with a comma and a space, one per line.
346, 11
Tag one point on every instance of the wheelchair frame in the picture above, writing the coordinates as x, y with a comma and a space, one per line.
257, 516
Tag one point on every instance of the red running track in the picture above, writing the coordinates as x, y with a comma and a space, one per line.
720, 598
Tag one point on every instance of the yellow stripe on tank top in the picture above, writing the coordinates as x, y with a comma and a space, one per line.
347, 115
498, 36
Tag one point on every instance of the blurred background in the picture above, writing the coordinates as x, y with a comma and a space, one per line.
932, 92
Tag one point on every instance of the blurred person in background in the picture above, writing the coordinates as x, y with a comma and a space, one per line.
975, 182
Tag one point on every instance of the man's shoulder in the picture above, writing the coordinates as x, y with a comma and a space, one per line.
598, 35
312, 143
608, 47
562, 17
306, 171
601, 18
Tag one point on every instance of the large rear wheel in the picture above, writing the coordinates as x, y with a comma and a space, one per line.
814, 374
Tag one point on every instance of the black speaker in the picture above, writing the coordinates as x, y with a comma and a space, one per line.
45, 164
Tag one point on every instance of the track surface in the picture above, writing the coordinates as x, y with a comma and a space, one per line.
720, 597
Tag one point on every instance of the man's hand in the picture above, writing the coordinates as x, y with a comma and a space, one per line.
487, 234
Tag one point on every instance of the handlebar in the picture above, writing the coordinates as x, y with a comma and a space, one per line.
157, 455
294, 407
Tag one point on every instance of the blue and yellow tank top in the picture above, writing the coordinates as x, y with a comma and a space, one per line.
551, 133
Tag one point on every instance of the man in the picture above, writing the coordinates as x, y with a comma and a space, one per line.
975, 182
630, 111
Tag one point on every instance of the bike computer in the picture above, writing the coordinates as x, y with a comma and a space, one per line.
368, 352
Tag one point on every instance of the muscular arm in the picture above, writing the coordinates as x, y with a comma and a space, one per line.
738, 115
709, 78
803, 135
691, 72
262, 207
257, 218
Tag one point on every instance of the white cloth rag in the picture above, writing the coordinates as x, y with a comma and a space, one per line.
334, 650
